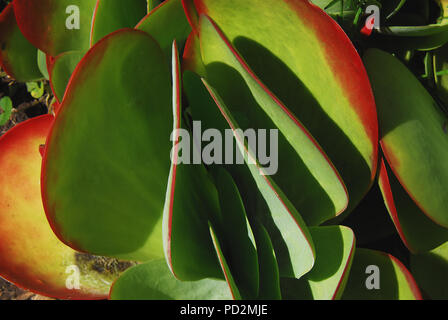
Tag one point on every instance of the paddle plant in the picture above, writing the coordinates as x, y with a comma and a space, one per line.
104, 172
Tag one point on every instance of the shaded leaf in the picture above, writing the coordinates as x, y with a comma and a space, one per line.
45, 23
154, 281
417, 231
299, 155
395, 281
413, 140
335, 247
191, 200
342, 118
18, 57
167, 23
112, 15
61, 70
430, 269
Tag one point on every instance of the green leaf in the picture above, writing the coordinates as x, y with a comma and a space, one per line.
167, 23
235, 235
52, 25
154, 281
413, 140
230, 279
61, 71
302, 58
288, 232
300, 158
430, 269
191, 200
395, 281
31, 256
417, 231
6, 108
335, 247
110, 147
18, 57
112, 15
269, 287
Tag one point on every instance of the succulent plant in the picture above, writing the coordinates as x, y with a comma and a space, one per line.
106, 171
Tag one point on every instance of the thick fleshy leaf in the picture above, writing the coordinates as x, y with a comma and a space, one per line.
154, 281
235, 235
192, 59
18, 57
269, 287
55, 26
110, 147
417, 231
413, 138
31, 255
300, 158
394, 280
430, 270
112, 15
191, 199
288, 232
335, 247
61, 71
167, 23
230, 279
295, 55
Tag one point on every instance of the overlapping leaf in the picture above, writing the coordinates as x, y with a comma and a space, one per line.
379, 276
18, 57
52, 25
110, 147
167, 23
61, 70
288, 232
112, 15
335, 247
429, 270
30, 254
154, 281
417, 231
191, 201
300, 158
413, 139
300, 50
